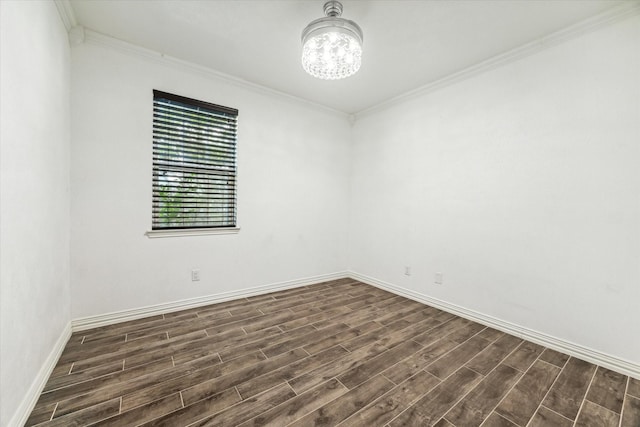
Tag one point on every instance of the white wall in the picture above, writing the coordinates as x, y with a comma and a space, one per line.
521, 185
34, 193
293, 198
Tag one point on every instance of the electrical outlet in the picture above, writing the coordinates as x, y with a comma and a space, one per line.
438, 279
195, 275
407, 271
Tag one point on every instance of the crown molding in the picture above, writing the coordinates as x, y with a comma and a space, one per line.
608, 17
99, 39
66, 13
76, 35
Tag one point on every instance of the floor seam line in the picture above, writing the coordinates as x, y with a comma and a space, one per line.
624, 400
584, 398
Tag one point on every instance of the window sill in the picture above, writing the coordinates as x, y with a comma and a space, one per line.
154, 234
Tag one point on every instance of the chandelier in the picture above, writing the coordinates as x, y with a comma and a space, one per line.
332, 46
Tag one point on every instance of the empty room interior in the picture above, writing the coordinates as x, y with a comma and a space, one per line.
310, 212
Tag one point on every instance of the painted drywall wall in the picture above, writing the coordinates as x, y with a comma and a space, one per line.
293, 162
34, 195
521, 186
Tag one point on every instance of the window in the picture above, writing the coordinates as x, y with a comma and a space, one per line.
194, 164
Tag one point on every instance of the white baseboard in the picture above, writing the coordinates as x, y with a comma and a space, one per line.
137, 313
27, 404
605, 360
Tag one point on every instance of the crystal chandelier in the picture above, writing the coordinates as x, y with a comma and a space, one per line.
332, 46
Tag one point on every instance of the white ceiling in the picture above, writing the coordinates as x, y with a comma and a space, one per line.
407, 44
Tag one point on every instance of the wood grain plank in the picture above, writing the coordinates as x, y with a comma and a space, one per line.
85, 416
463, 334
495, 420
330, 370
163, 388
522, 402
406, 333
118, 328
634, 387
359, 374
61, 369
630, 412
264, 382
443, 423
441, 329
88, 352
143, 350
186, 326
607, 389
302, 340
420, 360
248, 408
196, 411
341, 337
595, 415
394, 402
353, 316
472, 410
143, 413
108, 381
249, 347
89, 374
98, 393
212, 386
40, 413
554, 357
432, 406
457, 357
524, 356
565, 397
89, 342
545, 418
352, 401
299, 406
404, 309
327, 315
491, 334
491, 356
374, 336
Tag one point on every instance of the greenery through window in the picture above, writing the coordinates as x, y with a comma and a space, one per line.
194, 163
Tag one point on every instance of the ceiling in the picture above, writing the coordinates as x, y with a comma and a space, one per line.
407, 44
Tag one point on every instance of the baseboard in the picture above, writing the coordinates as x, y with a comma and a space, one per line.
31, 398
611, 362
138, 313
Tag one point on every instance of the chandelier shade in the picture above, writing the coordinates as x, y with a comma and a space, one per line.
332, 46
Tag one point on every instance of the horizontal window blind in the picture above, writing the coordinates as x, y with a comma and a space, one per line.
194, 163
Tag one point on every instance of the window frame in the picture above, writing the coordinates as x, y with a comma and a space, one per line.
193, 228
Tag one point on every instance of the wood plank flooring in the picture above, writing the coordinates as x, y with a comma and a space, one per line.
336, 353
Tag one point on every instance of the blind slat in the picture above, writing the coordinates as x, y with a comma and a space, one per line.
194, 145
187, 130
195, 167
175, 118
179, 159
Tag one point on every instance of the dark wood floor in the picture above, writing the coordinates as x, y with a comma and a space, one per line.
340, 352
